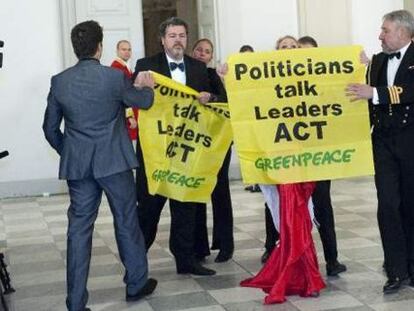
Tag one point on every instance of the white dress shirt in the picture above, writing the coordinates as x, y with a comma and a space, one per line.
177, 74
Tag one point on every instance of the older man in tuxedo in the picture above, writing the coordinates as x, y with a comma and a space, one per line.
172, 62
96, 156
390, 91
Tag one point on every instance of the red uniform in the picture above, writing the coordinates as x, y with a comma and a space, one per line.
121, 65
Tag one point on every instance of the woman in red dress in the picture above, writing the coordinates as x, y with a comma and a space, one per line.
292, 268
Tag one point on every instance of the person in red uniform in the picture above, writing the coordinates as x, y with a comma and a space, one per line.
123, 52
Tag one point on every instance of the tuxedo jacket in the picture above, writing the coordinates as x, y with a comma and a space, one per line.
195, 71
91, 99
217, 86
396, 102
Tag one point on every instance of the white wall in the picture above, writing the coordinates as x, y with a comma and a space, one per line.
257, 24
31, 32
409, 5
366, 20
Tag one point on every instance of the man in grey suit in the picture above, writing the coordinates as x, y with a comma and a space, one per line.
97, 156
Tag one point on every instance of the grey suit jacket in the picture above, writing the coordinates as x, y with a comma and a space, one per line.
91, 99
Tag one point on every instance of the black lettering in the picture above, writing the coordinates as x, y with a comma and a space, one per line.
189, 134
296, 131
288, 112
318, 125
282, 133
315, 110
334, 67
336, 109
207, 141
296, 69
278, 90
290, 90
240, 69
255, 73
320, 68
348, 66
257, 113
310, 90
301, 110
176, 108
186, 150
274, 113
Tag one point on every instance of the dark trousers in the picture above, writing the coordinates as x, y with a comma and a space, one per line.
324, 215
222, 215
394, 180
182, 218
85, 198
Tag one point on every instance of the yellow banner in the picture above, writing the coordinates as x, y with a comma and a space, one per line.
291, 119
183, 142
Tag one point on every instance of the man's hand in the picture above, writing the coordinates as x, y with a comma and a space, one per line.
144, 78
204, 97
132, 123
358, 91
363, 58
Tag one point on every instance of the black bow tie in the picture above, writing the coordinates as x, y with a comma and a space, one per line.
174, 66
392, 55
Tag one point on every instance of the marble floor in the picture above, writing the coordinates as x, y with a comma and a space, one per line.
32, 235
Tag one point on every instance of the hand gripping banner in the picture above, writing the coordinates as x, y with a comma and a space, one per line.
183, 142
291, 119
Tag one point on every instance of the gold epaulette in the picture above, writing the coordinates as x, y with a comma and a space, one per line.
394, 93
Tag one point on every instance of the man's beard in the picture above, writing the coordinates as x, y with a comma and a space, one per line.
385, 49
178, 50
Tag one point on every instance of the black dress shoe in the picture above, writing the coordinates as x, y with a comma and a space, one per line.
392, 285
146, 290
200, 258
333, 269
87, 309
224, 256
249, 188
265, 256
196, 269
256, 188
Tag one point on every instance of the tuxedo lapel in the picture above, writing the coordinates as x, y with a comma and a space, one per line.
406, 62
191, 73
188, 69
378, 62
164, 69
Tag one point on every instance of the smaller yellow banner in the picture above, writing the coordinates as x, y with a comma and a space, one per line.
183, 142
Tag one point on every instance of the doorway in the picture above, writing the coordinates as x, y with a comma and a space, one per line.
156, 11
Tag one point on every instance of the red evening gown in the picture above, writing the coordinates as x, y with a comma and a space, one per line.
292, 269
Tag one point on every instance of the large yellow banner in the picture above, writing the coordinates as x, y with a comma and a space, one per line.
183, 142
291, 119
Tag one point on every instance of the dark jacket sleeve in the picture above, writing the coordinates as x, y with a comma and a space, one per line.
52, 120
396, 94
402, 92
217, 86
